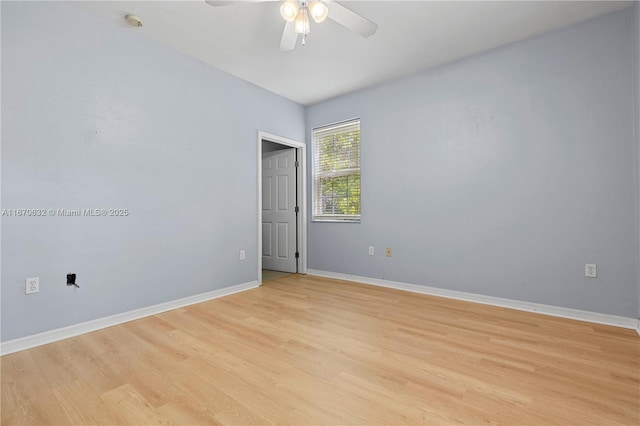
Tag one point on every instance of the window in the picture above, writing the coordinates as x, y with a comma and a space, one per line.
336, 172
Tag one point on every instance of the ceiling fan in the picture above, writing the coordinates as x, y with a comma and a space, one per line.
296, 13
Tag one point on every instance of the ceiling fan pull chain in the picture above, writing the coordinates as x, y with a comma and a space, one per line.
306, 22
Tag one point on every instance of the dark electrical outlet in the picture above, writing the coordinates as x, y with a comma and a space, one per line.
71, 280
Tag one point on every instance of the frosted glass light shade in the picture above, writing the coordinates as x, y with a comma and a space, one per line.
302, 22
289, 10
318, 11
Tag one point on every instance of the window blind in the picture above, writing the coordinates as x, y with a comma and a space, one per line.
336, 172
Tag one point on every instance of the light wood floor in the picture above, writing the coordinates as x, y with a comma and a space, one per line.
306, 350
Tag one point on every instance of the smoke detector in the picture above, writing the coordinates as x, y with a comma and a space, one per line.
133, 20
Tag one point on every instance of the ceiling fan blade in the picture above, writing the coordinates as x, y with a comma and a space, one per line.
351, 20
289, 37
232, 2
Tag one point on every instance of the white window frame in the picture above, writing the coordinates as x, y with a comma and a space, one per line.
337, 218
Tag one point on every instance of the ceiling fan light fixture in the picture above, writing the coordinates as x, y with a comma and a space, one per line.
302, 22
296, 14
289, 10
318, 10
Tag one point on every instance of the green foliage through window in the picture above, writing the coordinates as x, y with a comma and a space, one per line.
336, 172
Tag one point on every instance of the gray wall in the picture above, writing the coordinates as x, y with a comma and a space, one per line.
95, 116
502, 174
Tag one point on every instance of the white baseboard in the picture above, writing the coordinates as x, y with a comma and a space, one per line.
556, 311
34, 340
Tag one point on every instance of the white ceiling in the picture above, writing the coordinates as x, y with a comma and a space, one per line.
412, 36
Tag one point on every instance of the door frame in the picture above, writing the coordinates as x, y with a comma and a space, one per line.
301, 193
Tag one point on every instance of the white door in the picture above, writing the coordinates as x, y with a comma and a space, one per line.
279, 210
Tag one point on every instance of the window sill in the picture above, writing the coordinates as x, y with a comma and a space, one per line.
334, 221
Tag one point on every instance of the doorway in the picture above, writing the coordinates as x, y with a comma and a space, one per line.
282, 227
279, 208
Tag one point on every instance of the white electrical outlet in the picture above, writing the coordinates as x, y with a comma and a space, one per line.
32, 285
370, 250
243, 255
590, 270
